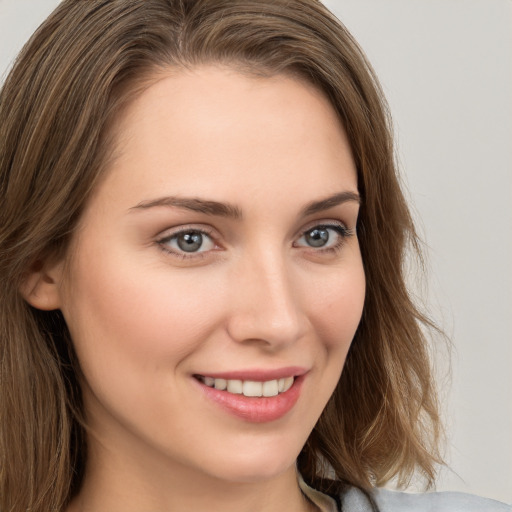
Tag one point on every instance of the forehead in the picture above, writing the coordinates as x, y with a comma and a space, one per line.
214, 126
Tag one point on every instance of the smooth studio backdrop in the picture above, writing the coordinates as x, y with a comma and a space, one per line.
446, 68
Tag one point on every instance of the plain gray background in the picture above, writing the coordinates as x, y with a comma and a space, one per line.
446, 68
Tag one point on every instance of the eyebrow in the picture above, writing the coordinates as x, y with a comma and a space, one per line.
194, 204
219, 209
330, 202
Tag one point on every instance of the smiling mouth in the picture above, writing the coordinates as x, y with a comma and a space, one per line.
249, 388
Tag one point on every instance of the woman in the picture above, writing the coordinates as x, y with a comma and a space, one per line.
202, 245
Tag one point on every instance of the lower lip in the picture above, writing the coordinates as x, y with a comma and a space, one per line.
256, 409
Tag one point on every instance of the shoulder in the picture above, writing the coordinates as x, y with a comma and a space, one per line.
391, 501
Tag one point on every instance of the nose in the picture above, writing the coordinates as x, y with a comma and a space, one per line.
266, 303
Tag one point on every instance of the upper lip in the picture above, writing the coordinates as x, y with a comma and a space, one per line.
258, 374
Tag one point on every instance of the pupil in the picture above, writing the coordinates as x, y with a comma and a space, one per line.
317, 237
190, 242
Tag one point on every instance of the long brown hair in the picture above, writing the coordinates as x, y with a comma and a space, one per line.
69, 82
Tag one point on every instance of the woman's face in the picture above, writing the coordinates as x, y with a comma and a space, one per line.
220, 249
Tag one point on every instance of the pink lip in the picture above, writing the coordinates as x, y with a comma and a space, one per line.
259, 375
255, 409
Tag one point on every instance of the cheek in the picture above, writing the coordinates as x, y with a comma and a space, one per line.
338, 306
136, 315
338, 314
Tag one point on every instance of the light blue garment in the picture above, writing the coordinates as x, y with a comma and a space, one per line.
391, 501
354, 500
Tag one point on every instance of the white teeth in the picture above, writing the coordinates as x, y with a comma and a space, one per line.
270, 388
220, 384
288, 383
250, 387
235, 386
210, 381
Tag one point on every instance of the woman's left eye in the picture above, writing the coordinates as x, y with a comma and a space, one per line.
324, 237
190, 241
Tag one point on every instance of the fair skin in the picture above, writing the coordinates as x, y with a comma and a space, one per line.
264, 282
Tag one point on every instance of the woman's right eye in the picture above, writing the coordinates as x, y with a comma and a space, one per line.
187, 242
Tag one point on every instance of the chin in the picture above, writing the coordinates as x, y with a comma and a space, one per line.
254, 465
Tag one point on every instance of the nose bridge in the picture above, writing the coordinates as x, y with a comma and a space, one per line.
266, 306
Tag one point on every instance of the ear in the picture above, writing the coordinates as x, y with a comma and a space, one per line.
41, 286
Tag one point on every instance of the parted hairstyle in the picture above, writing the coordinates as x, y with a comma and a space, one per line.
57, 108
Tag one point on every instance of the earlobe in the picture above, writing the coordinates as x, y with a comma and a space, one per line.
41, 286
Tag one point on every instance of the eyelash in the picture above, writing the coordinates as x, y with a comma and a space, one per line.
339, 228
